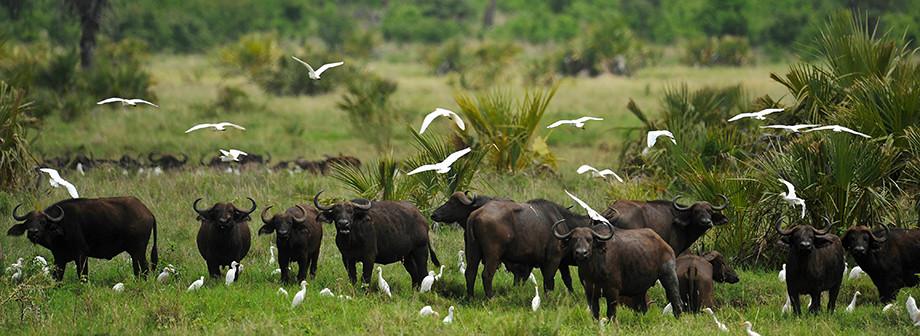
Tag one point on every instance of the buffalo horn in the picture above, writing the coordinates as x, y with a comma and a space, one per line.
600, 237
465, 199
364, 207
17, 217
253, 209
303, 211
58, 218
316, 202
266, 220
724, 203
195, 206
677, 206
777, 225
881, 239
556, 231
827, 227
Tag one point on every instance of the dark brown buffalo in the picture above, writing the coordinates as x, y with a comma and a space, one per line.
343, 160
891, 257
380, 232
677, 224
128, 162
696, 275
224, 234
519, 233
298, 235
167, 161
814, 264
458, 208
82, 228
615, 263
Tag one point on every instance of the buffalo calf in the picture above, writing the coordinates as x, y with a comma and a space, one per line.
814, 264
224, 234
696, 275
298, 235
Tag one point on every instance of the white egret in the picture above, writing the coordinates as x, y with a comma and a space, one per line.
721, 325
532, 278
667, 310
856, 272
276, 271
231, 273
440, 112
196, 285
846, 266
748, 328
119, 287
164, 276
57, 181
271, 252
790, 196
326, 292
298, 298
40, 261
759, 115
221, 126
652, 138
461, 262
788, 306
382, 284
231, 155
791, 128
591, 213
450, 316
598, 173
314, 74
440, 273
887, 307
80, 169
912, 310
852, 305
782, 274
282, 291
124, 102
443, 166
579, 123
838, 128
427, 311
427, 282
17, 276
535, 303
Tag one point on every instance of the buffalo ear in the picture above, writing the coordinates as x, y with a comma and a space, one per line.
322, 218
16, 230
784, 240
719, 219
266, 229
242, 216
847, 240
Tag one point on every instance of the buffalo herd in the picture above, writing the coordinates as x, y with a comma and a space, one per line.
641, 243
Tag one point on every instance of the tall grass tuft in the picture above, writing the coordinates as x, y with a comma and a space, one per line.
15, 158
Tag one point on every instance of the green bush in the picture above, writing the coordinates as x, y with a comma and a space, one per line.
16, 160
369, 107
711, 51
408, 23
474, 65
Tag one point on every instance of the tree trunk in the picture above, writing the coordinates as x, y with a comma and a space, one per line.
90, 14
488, 18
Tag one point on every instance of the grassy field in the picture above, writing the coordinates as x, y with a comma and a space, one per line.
289, 127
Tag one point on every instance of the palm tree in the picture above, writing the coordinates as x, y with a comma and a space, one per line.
90, 13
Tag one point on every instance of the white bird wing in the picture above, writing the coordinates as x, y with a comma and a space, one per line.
455, 156
765, 112
606, 172
58, 180
327, 66
429, 119
304, 64
230, 124
741, 116
585, 168
790, 193
199, 126
135, 101
224, 153
584, 119
456, 118
110, 100
559, 123
591, 213
237, 153
424, 168
844, 129
71, 189
653, 137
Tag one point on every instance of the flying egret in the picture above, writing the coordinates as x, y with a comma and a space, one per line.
119, 287
57, 181
231, 273
427, 311
748, 328
196, 285
440, 273
852, 304
326, 292
591, 213
782, 274
427, 282
721, 325
440, 112
759, 115
124, 102
443, 166
598, 173
450, 316
461, 263
856, 272
535, 303
790, 196
912, 310
791, 128
231, 155
271, 252
282, 291
838, 128
579, 123
667, 310
314, 74
382, 284
298, 298
221, 126
652, 138
788, 306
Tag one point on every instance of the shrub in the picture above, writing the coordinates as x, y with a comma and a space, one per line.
371, 112
15, 158
712, 51
407, 22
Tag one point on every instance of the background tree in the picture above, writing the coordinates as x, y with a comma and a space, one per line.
90, 15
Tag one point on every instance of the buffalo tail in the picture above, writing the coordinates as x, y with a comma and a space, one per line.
154, 255
434, 257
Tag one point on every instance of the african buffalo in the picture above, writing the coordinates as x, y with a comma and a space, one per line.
167, 161
679, 225
224, 234
696, 275
618, 263
458, 208
814, 264
381, 232
891, 257
298, 235
519, 233
81, 228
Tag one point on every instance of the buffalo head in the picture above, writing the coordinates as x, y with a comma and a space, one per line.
39, 226
457, 208
721, 271
224, 215
700, 214
342, 214
285, 222
582, 240
804, 238
860, 240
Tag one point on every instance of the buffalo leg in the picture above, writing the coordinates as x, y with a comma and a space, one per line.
670, 283
82, 262
313, 264
490, 265
612, 294
367, 269
421, 265
409, 264
60, 265
285, 263
302, 265
139, 263
796, 302
549, 277
472, 267
832, 298
352, 268
214, 269
815, 306
566, 277
592, 299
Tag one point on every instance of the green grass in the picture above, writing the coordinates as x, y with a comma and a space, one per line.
310, 127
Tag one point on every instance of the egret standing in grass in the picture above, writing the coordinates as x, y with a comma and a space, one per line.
749, 329
271, 252
163, 276
667, 310
535, 303
759, 115
856, 272
314, 74
440, 273
912, 310
427, 311
231, 155
440, 112
578, 123
125, 102
450, 316
852, 305
326, 292
196, 285
443, 166
782, 274
231, 273
119, 287
298, 298
382, 284
790, 197
461, 263
532, 278
652, 138
788, 306
721, 325
427, 282
282, 291
57, 181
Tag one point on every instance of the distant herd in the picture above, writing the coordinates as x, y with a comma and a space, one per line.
158, 162
645, 243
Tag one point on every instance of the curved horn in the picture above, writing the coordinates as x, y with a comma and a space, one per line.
303, 211
17, 217
364, 207
827, 227
679, 207
266, 220
556, 232
600, 237
724, 205
466, 199
316, 202
195, 206
58, 218
253, 209
777, 224
881, 239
